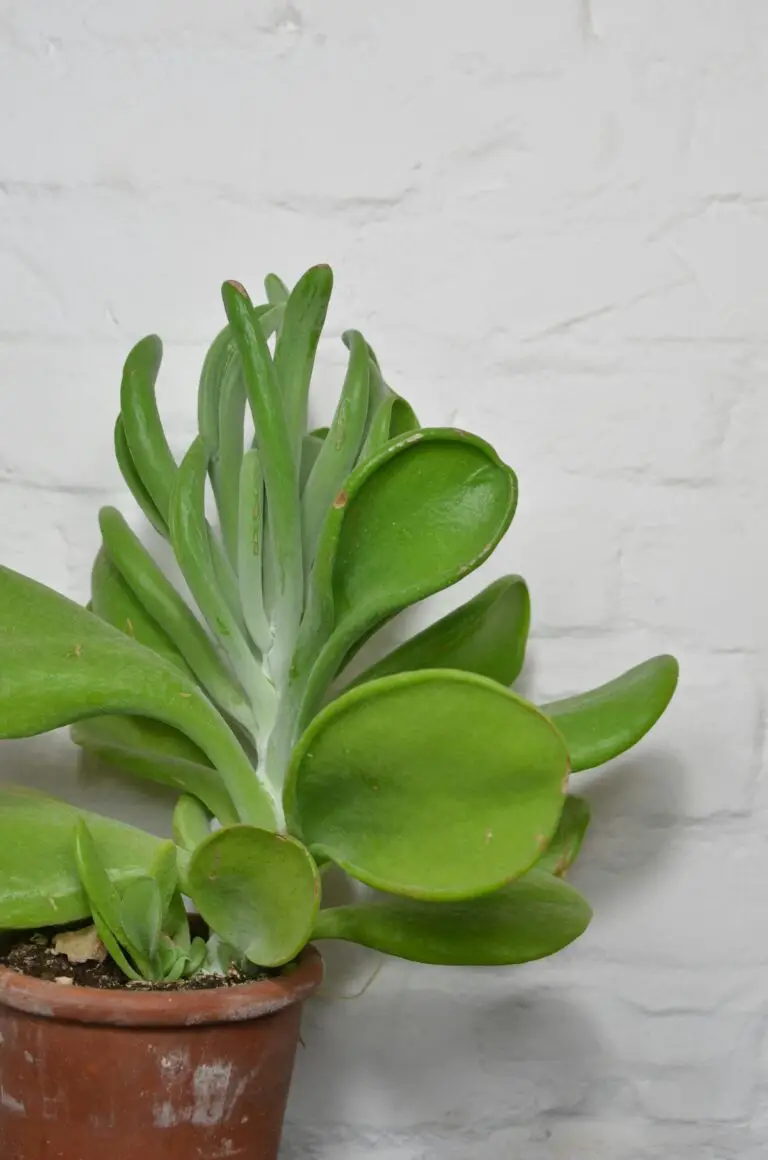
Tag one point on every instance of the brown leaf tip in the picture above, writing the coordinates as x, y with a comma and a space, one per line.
237, 286
341, 500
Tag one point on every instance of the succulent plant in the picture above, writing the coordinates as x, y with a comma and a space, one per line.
424, 777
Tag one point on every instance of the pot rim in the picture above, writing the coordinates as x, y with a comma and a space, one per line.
146, 1008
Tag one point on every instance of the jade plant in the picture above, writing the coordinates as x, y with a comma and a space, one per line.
424, 777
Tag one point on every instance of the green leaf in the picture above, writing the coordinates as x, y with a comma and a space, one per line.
604, 722
164, 872
60, 664
133, 480
437, 784
276, 290
274, 444
305, 312
566, 842
258, 891
487, 635
195, 957
250, 550
529, 919
311, 446
419, 516
143, 428
163, 603
141, 916
113, 600
192, 544
389, 416
156, 752
41, 884
339, 449
221, 355
191, 822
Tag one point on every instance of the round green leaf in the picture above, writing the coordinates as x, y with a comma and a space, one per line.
427, 510
529, 919
257, 890
604, 722
435, 784
487, 635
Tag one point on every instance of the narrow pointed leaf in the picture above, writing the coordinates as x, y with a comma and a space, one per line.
141, 916
165, 605
250, 550
566, 842
339, 449
143, 428
487, 635
60, 664
156, 752
134, 482
114, 601
419, 516
258, 891
191, 539
604, 722
529, 919
305, 312
41, 884
438, 784
280, 470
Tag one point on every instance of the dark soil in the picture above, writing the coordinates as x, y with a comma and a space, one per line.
33, 954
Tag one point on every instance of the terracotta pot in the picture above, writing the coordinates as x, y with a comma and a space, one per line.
124, 1075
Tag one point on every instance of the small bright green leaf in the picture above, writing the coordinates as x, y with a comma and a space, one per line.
305, 312
113, 600
604, 722
339, 449
141, 915
164, 871
103, 897
191, 822
419, 516
529, 919
133, 480
436, 784
114, 949
259, 892
566, 842
487, 635
156, 752
41, 885
60, 664
143, 428
195, 957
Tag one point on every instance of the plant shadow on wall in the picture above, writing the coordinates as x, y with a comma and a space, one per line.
425, 777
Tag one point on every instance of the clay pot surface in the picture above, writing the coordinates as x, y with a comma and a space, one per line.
87, 1074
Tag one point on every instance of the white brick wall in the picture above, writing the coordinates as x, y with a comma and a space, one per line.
552, 221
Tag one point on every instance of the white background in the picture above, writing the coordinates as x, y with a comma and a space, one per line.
551, 220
